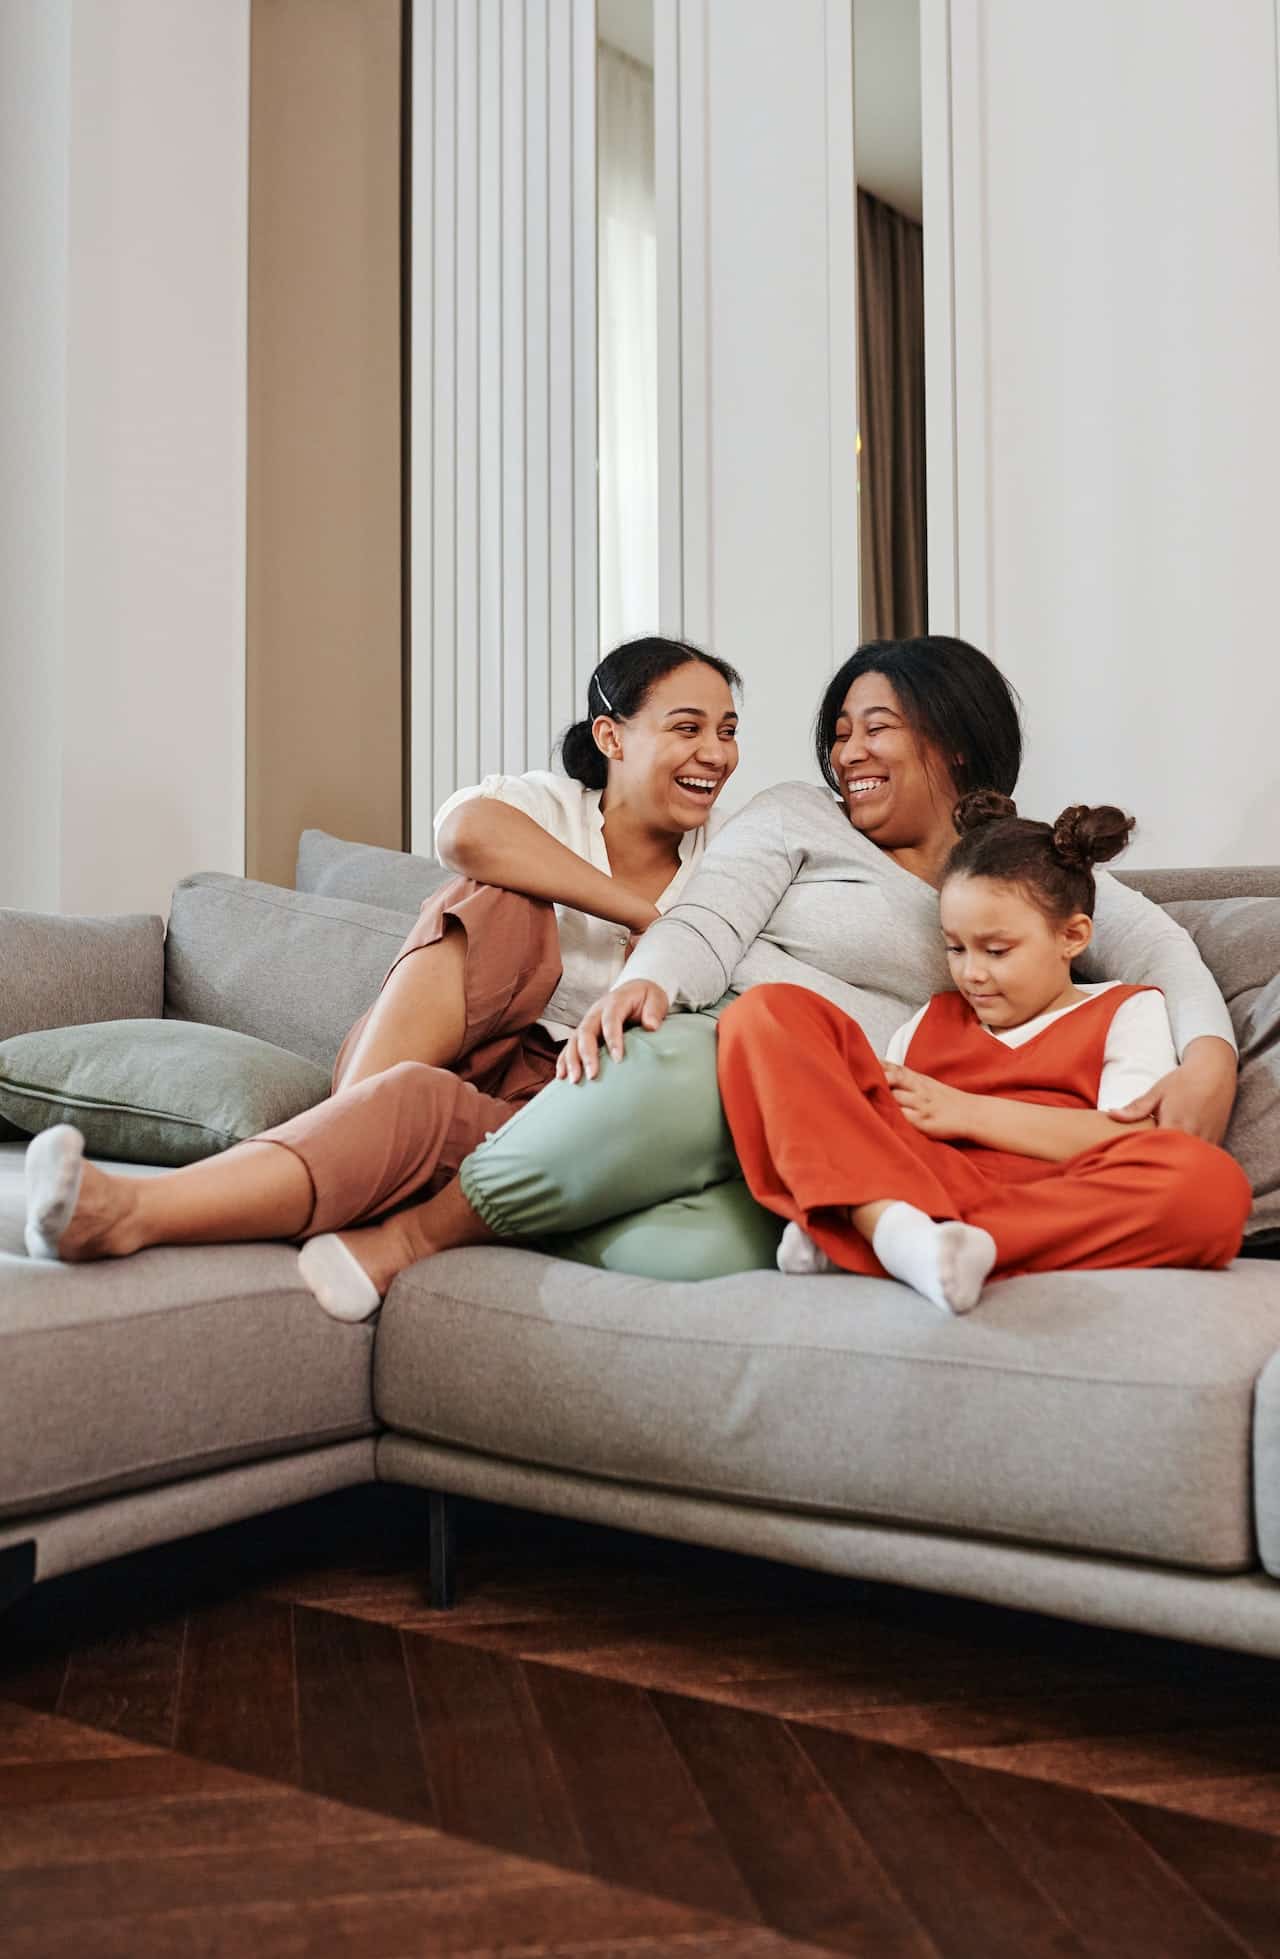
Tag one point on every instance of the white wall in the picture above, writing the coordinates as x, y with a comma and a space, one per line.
1112, 203
758, 425
35, 43
128, 649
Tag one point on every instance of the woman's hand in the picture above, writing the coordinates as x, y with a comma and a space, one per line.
1197, 1096
639, 1001
929, 1105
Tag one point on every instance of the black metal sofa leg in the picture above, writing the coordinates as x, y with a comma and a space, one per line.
17, 1571
441, 1512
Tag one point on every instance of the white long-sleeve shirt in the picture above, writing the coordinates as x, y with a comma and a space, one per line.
790, 891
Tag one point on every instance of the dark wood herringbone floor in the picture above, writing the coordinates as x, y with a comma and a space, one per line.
263, 1742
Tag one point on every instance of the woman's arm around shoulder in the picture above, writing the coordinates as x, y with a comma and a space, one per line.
1136, 941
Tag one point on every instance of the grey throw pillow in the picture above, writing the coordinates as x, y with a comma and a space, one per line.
1239, 941
154, 1091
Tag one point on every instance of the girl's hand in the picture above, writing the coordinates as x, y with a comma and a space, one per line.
929, 1105
638, 1001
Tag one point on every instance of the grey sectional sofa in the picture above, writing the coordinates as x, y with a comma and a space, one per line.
1105, 1446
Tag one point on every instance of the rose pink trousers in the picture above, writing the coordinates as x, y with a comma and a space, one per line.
403, 1133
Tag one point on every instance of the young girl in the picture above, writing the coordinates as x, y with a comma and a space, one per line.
983, 1145
557, 876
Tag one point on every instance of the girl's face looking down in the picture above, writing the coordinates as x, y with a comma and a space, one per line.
896, 789
1009, 960
669, 761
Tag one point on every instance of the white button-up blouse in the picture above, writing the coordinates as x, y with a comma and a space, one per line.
593, 950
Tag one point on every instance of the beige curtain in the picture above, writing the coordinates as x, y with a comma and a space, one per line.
891, 415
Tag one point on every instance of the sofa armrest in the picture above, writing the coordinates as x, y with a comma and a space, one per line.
57, 972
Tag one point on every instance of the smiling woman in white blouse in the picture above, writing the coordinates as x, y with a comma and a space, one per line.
557, 876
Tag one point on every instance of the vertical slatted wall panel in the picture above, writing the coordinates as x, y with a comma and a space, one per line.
504, 605
666, 157
434, 610
695, 322
514, 402
466, 462
537, 448
560, 277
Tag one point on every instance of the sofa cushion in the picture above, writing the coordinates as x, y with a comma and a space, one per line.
1100, 1411
334, 868
154, 1091
136, 1371
284, 966
1239, 941
56, 971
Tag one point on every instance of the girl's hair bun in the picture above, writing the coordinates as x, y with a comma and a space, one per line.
1084, 836
982, 806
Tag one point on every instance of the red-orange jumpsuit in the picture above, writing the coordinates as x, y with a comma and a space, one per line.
818, 1132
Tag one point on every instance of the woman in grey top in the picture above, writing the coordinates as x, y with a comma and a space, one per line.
832, 888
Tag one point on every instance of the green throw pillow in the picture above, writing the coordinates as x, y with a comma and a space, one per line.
154, 1091
707, 1236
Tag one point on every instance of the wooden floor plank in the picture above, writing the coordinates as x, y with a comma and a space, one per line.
1101, 1877
810, 1870
238, 1702
493, 1775
413, 1894
127, 1681
965, 1887
640, 1816
1237, 1873
1250, 1802
27, 1736
358, 1736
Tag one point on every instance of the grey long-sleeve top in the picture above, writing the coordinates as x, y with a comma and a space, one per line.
790, 891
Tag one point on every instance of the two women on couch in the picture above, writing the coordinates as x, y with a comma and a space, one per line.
835, 892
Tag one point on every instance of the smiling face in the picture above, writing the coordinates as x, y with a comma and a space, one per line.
895, 788
669, 761
1009, 960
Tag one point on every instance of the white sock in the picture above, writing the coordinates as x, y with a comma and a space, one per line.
798, 1253
337, 1278
54, 1166
946, 1262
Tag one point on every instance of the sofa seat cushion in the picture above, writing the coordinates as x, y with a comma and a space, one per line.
137, 1371
1099, 1411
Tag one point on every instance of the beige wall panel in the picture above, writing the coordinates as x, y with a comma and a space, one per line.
324, 597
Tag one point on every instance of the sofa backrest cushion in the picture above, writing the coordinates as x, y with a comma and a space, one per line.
1239, 941
61, 972
285, 966
333, 868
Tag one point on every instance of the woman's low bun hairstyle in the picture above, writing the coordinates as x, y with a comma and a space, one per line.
619, 687
581, 758
1052, 862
